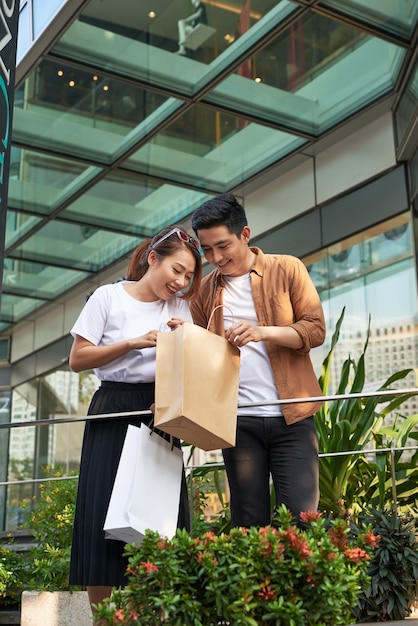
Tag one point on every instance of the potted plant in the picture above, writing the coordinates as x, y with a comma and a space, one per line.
269, 575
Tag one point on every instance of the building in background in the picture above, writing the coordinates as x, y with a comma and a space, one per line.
305, 109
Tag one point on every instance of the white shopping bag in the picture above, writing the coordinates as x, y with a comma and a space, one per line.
146, 492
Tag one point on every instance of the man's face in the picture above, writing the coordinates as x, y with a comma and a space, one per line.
229, 253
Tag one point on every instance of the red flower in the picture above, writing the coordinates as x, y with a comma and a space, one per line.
279, 550
309, 516
338, 537
149, 567
298, 542
267, 593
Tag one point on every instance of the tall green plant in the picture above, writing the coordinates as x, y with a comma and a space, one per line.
393, 568
351, 425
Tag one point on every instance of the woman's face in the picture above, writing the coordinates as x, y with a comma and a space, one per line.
171, 273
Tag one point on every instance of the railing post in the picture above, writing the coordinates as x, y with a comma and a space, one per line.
393, 475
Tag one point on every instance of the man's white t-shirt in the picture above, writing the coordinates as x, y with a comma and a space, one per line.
256, 381
111, 315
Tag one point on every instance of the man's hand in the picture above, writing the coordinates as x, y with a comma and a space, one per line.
242, 333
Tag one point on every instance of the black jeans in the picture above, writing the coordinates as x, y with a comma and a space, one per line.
266, 447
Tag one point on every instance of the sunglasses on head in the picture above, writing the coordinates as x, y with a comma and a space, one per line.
181, 234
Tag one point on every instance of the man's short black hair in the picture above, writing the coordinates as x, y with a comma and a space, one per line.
222, 210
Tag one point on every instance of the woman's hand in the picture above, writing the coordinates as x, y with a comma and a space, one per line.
175, 322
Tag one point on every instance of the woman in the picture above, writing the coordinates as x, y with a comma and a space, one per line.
115, 335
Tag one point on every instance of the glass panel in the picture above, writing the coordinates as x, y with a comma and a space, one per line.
38, 281
79, 112
39, 181
414, 176
198, 32
14, 308
5, 407
33, 448
408, 106
24, 38
18, 224
21, 453
83, 248
358, 274
210, 149
394, 16
43, 12
308, 78
133, 204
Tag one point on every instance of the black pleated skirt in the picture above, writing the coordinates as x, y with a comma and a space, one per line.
96, 561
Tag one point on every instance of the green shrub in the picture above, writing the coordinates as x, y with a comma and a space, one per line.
12, 574
45, 565
245, 577
51, 522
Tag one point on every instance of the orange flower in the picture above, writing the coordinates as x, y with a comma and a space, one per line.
356, 555
371, 539
118, 617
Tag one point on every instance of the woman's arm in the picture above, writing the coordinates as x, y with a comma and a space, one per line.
85, 355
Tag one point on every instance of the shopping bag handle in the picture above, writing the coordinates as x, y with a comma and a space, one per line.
151, 426
219, 306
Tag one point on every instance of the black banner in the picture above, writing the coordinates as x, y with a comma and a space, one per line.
9, 13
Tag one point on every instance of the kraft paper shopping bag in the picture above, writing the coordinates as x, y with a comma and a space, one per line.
196, 387
146, 491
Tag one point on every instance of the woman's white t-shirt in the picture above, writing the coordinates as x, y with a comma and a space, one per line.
111, 315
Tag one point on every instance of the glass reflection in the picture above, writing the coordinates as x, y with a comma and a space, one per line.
133, 204
211, 149
397, 16
14, 308
372, 277
304, 77
197, 29
79, 246
407, 109
38, 281
37, 181
32, 448
100, 98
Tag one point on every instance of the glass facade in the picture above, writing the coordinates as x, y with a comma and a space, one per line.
129, 119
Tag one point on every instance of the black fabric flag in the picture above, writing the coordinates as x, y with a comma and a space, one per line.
9, 13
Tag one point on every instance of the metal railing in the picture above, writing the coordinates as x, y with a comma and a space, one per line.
326, 398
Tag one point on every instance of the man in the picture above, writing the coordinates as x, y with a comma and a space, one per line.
272, 312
